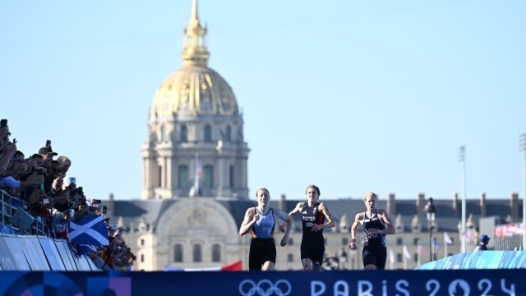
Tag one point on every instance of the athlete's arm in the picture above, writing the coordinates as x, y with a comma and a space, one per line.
288, 224
354, 227
296, 209
250, 218
330, 222
390, 227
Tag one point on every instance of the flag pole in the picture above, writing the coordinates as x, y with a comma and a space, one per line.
445, 246
523, 148
462, 152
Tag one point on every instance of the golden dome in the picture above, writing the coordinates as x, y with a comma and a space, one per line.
195, 88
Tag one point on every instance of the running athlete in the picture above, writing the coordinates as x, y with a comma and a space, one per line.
376, 224
313, 216
260, 221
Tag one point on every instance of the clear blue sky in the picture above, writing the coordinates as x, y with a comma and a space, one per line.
351, 95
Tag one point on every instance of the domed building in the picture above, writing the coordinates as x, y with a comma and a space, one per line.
195, 145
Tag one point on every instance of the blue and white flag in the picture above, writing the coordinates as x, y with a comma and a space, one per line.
447, 239
85, 249
436, 244
90, 230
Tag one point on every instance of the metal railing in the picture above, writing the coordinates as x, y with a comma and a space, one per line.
508, 237
9, 205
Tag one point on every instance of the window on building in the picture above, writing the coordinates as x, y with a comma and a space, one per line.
415, 257
290, 257
208, 133
197, 253
399, 258
216, 253
142, 258
178, 253
209, 176
142, 242
415, 241
345, 241
290, 242
182, 176
160, 176
184, 133
228, 135
399, 241
162, 135
231, 177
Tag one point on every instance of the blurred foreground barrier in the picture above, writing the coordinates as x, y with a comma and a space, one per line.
361, 283
480, 260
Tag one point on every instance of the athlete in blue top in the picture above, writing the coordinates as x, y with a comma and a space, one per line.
376, 224
313, 216
261, 221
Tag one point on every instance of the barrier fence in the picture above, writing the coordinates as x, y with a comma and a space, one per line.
14, 216
509, 236
290, 283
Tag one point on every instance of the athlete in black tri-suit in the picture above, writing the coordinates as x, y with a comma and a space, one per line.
313, 216
376, 224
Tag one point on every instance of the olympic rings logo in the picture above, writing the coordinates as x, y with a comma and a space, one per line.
265, 288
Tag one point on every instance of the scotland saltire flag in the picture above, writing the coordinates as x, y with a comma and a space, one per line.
90, 230
84, 249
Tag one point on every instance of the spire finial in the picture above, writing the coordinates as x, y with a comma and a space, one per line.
195, 52
195, 15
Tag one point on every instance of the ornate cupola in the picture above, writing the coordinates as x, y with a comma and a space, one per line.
195, 141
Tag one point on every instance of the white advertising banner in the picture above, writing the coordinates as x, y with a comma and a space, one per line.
7, 261
52, 254
13, 244
33, 252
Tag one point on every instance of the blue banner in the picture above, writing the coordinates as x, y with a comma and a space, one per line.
341, 283
480, 260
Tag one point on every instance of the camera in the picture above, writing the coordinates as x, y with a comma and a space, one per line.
96, 201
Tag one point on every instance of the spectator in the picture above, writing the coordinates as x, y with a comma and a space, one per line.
483, 245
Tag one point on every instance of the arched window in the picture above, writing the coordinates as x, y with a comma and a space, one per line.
178, 253
197, 253
208, 133
162, 134
209, 176
184, 133
228, 136
182, 176
231, 177
216, 253
160, 172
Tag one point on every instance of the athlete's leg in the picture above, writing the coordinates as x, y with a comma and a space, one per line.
317, 256
369, 259
307, 264
268, 266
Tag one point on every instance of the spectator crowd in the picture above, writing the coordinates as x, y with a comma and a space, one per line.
41, 182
